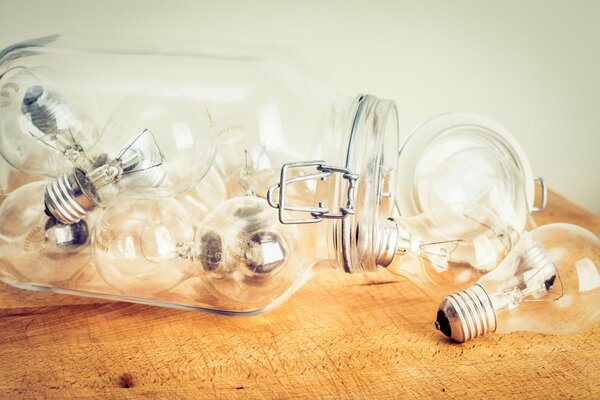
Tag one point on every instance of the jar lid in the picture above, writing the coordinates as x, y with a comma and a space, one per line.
458, 158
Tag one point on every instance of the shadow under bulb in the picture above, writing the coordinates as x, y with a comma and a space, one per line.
549, 283
36, 248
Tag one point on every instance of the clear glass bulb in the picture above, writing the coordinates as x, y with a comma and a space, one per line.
136, 245
41, 131
35, 248
244, 254
549, 283
449, 247
154, 145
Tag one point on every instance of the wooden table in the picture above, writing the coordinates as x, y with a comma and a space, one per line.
340, 336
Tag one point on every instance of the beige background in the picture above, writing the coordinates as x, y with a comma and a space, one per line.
533, 66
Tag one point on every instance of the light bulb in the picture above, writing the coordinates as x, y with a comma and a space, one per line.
41, 131
136, 245
35, 248
241, 252
449, 247
549, 283
154, 145
244, 254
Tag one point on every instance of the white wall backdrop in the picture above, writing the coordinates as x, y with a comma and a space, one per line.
533, 66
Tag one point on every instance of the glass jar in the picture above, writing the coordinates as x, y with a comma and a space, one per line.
211, 179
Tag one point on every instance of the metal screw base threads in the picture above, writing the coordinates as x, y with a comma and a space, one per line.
385, 241
65, 197
466, 315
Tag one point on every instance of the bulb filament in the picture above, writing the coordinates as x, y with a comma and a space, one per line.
130, 160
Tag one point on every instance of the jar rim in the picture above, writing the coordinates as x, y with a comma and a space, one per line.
372, 153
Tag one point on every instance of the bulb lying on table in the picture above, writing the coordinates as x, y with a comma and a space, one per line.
450, 247
41, 132
549, 283
153, 146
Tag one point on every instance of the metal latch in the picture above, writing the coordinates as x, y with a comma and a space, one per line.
323, 171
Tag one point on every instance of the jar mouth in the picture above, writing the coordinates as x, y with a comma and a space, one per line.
372, 153
455, 157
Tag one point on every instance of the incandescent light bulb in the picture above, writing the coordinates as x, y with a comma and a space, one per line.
241, 252
549, 283
41, 131
153, 146
35, 248
136, 242
448, 248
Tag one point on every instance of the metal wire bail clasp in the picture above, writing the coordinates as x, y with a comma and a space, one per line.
317, 213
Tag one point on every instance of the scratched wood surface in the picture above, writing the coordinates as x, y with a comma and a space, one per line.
340, 336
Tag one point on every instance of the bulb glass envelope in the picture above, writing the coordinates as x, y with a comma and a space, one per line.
45, 124
549, 283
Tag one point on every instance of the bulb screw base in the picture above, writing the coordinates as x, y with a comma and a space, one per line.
66, 198
386, 240
467, 314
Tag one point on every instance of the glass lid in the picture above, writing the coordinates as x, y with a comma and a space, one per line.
464, 158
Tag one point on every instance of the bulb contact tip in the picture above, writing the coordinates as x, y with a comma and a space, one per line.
467, 314
65, 198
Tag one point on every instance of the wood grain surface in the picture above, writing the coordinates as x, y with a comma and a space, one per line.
340, 336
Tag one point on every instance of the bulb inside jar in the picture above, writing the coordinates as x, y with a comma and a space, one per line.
244, 254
